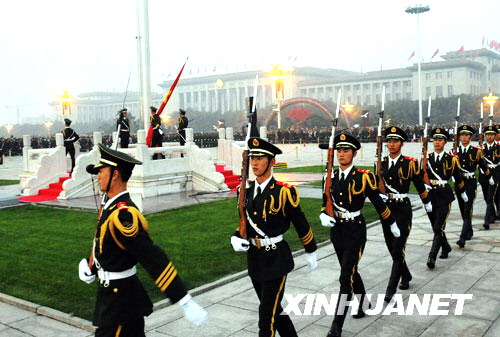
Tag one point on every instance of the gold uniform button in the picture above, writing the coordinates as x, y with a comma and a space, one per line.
254, 213
340, 202
340, 193
115, 290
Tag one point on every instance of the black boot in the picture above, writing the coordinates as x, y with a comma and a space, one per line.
431, 263
445, 251
335, 330
405, 283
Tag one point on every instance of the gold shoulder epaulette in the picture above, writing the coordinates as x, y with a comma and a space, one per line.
130, 230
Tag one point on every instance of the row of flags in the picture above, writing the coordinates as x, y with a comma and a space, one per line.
433, 55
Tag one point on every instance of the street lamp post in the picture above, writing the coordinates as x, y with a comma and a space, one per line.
347, 109
66, 101
418, 10
491, 100
279, 74
48, 125
8, 128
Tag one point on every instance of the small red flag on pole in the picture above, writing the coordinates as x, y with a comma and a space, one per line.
435, 53
460, 51
412, 54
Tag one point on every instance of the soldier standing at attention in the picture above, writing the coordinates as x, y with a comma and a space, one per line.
121, 241
350, 188
124, 124
470, 158
491, 153
157, 140
441, 167
70, 137
271, 206
398, 172
182, 124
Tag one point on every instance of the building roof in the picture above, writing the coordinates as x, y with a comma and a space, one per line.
453, 63
372, 75
452, 55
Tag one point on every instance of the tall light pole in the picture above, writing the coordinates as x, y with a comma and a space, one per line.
8, 128
143, 55
279, 74
48, 125
491, 100
66, 101
418, 10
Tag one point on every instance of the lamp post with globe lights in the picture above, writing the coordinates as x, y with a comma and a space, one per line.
279, 74
491, 100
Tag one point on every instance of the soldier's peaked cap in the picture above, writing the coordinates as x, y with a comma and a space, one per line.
466, 129
345, 140
113, 158
393, 132
491, 129
259, 147
440, 133
67, 121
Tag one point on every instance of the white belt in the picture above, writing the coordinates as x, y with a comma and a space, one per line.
348, 215
396, 196
439, 182
106, 276
492, 166
267, 242
468, 174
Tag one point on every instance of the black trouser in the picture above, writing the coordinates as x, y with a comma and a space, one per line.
71, 151
467, 207
157, 141
132, 329
350, 280
124, 139
438, 218
270, 294
402, 212
488, 193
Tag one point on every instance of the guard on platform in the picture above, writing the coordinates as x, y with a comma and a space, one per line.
470, 158
491, 154
271, 206
121, 241
182, 124
350, 187
157, 140
398, 172
497, 175
123, 124
441, 166
70, 137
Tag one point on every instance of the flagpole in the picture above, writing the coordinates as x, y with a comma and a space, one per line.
144, 62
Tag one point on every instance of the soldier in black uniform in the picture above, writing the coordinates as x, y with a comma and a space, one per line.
470, 158
157, 140
398, 172
271, 206
121, 241
350, 187
124, 124
491, 153
441, 166
182, 124
70, 137
497, 174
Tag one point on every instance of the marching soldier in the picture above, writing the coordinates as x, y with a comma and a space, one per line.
441, 167
157, 140
398, 172
121, 241
70, 137
350, 188
491, 152
497, 174
124, 124
271, 206
470, 158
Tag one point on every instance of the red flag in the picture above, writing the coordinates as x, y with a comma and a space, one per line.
412, 54
460, 51
149, 137
435, 53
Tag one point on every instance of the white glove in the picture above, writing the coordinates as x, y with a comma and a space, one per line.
326, 220
239, 244
464, 197
312, 260
395, 230
428, 207
84, 272
492, 181
384, 197
193, 312
427, 187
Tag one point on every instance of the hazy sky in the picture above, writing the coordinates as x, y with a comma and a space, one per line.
81, 46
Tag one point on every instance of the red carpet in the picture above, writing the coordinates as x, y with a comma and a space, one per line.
231, 180
45, 194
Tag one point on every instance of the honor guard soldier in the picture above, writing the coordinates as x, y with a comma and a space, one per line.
157, 140
182, 124
123, 125
350, 187
470, 158
271, 206
491, 153
441, 166
121, 241
497, 174
70, 137
398, 172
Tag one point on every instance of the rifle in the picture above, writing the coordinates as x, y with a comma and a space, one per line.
331, 153
252, 124
425, 141
381, 185
455, 136
481, 127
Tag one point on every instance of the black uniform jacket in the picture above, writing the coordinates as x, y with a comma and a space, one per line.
448, 167
124, 124
272, 213
182, 123
470, 160
70, 137
350, 195
492, 157
121, 241
156, 124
